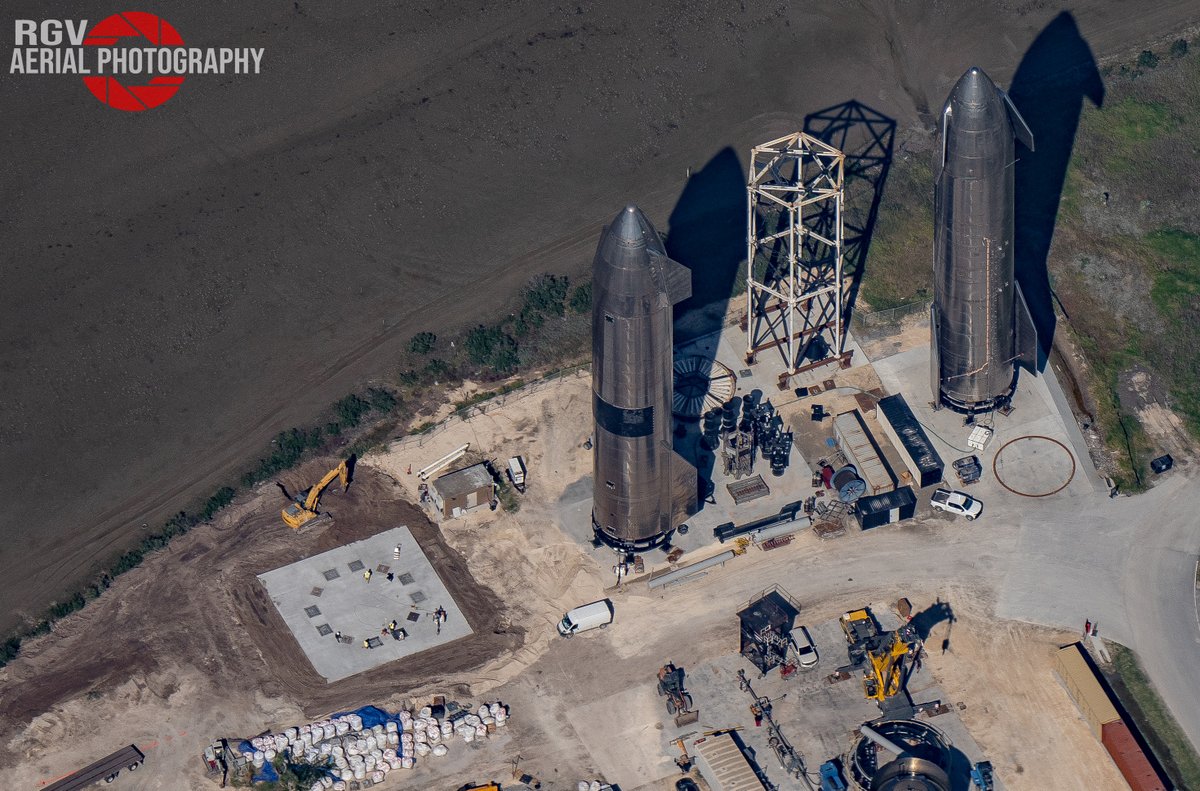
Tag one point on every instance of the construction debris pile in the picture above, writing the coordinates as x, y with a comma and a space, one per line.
365, 745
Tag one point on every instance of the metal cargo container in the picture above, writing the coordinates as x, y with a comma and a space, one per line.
883, 509
724, 766
856, 442
901, 427
1135, 765
1075, 670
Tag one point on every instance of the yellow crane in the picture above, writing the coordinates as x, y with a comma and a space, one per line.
882, 655
885, 671
304, 509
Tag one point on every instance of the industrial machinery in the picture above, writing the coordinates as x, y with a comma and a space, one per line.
670, 685
304, 509
980, 323
885, 657
644, 490
766, 628
900, 755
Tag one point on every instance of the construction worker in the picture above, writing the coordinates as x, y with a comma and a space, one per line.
392, 625
367, 575
366, 643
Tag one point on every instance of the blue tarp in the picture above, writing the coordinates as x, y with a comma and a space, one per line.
373, 715
266, 774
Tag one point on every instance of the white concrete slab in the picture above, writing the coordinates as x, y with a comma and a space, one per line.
326, 593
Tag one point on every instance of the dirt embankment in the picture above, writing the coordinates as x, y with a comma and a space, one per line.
194, 616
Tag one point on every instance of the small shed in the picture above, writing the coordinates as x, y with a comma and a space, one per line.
883, 509
766, 623
460, 491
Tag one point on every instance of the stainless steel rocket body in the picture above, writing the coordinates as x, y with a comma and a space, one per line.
642, 489
979, 321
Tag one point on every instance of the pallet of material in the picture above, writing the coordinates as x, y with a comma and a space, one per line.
825, 530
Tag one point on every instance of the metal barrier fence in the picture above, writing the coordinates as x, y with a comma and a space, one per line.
877, 320
464, 414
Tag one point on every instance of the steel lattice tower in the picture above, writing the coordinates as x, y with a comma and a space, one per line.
795, 285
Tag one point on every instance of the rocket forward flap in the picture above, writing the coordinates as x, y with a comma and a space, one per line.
685, 485
1026, 338
679, 281
1020, 129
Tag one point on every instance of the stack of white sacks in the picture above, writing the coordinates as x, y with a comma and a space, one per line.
358, 753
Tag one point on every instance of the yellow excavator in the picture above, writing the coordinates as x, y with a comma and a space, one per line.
304, 509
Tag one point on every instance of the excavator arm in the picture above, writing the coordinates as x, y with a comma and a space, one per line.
299, 513
314, 494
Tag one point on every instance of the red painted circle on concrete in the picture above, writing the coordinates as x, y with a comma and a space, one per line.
142, 30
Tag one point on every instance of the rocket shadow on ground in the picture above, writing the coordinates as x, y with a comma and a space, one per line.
1056, 74
708, 236
867, 138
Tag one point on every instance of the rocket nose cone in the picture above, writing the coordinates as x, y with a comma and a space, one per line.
974, 88
630, 226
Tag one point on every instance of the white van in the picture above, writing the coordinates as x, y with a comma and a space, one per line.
598, 614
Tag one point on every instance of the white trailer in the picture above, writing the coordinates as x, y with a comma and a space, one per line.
516, 473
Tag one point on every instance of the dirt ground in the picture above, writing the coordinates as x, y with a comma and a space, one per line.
187, 647
183, 283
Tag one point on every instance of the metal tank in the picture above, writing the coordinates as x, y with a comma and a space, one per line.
643, 490
980, 325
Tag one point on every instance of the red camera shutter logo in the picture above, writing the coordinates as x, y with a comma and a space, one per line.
152, 30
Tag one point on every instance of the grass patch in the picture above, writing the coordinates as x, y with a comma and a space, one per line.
1177, 281
1153, 718
898, 268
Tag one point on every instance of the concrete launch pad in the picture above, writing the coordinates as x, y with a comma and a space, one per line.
326, 594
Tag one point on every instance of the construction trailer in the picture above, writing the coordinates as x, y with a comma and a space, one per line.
900, 426
723, 765
859, 446
766, 628
106, 769
458, 492
885, 509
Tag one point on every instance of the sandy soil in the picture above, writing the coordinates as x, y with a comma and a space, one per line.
183, 283
187, 648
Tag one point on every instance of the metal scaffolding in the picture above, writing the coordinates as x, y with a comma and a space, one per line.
796, 290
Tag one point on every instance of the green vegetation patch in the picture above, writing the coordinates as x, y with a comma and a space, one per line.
898, 268
1155, 721
1177, 282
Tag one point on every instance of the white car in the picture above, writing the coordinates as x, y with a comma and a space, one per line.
957, 503
806, 652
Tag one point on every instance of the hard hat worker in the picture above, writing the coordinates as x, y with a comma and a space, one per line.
367, 575
366, 643
392, 625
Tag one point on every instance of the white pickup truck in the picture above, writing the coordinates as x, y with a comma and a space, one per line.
957, 503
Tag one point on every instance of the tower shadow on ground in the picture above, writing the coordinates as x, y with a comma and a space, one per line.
1056, 75
867, 138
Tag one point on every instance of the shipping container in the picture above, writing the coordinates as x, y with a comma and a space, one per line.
1129, 757
901, 427
856, 442
884, 509
724, 766
1077, 674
